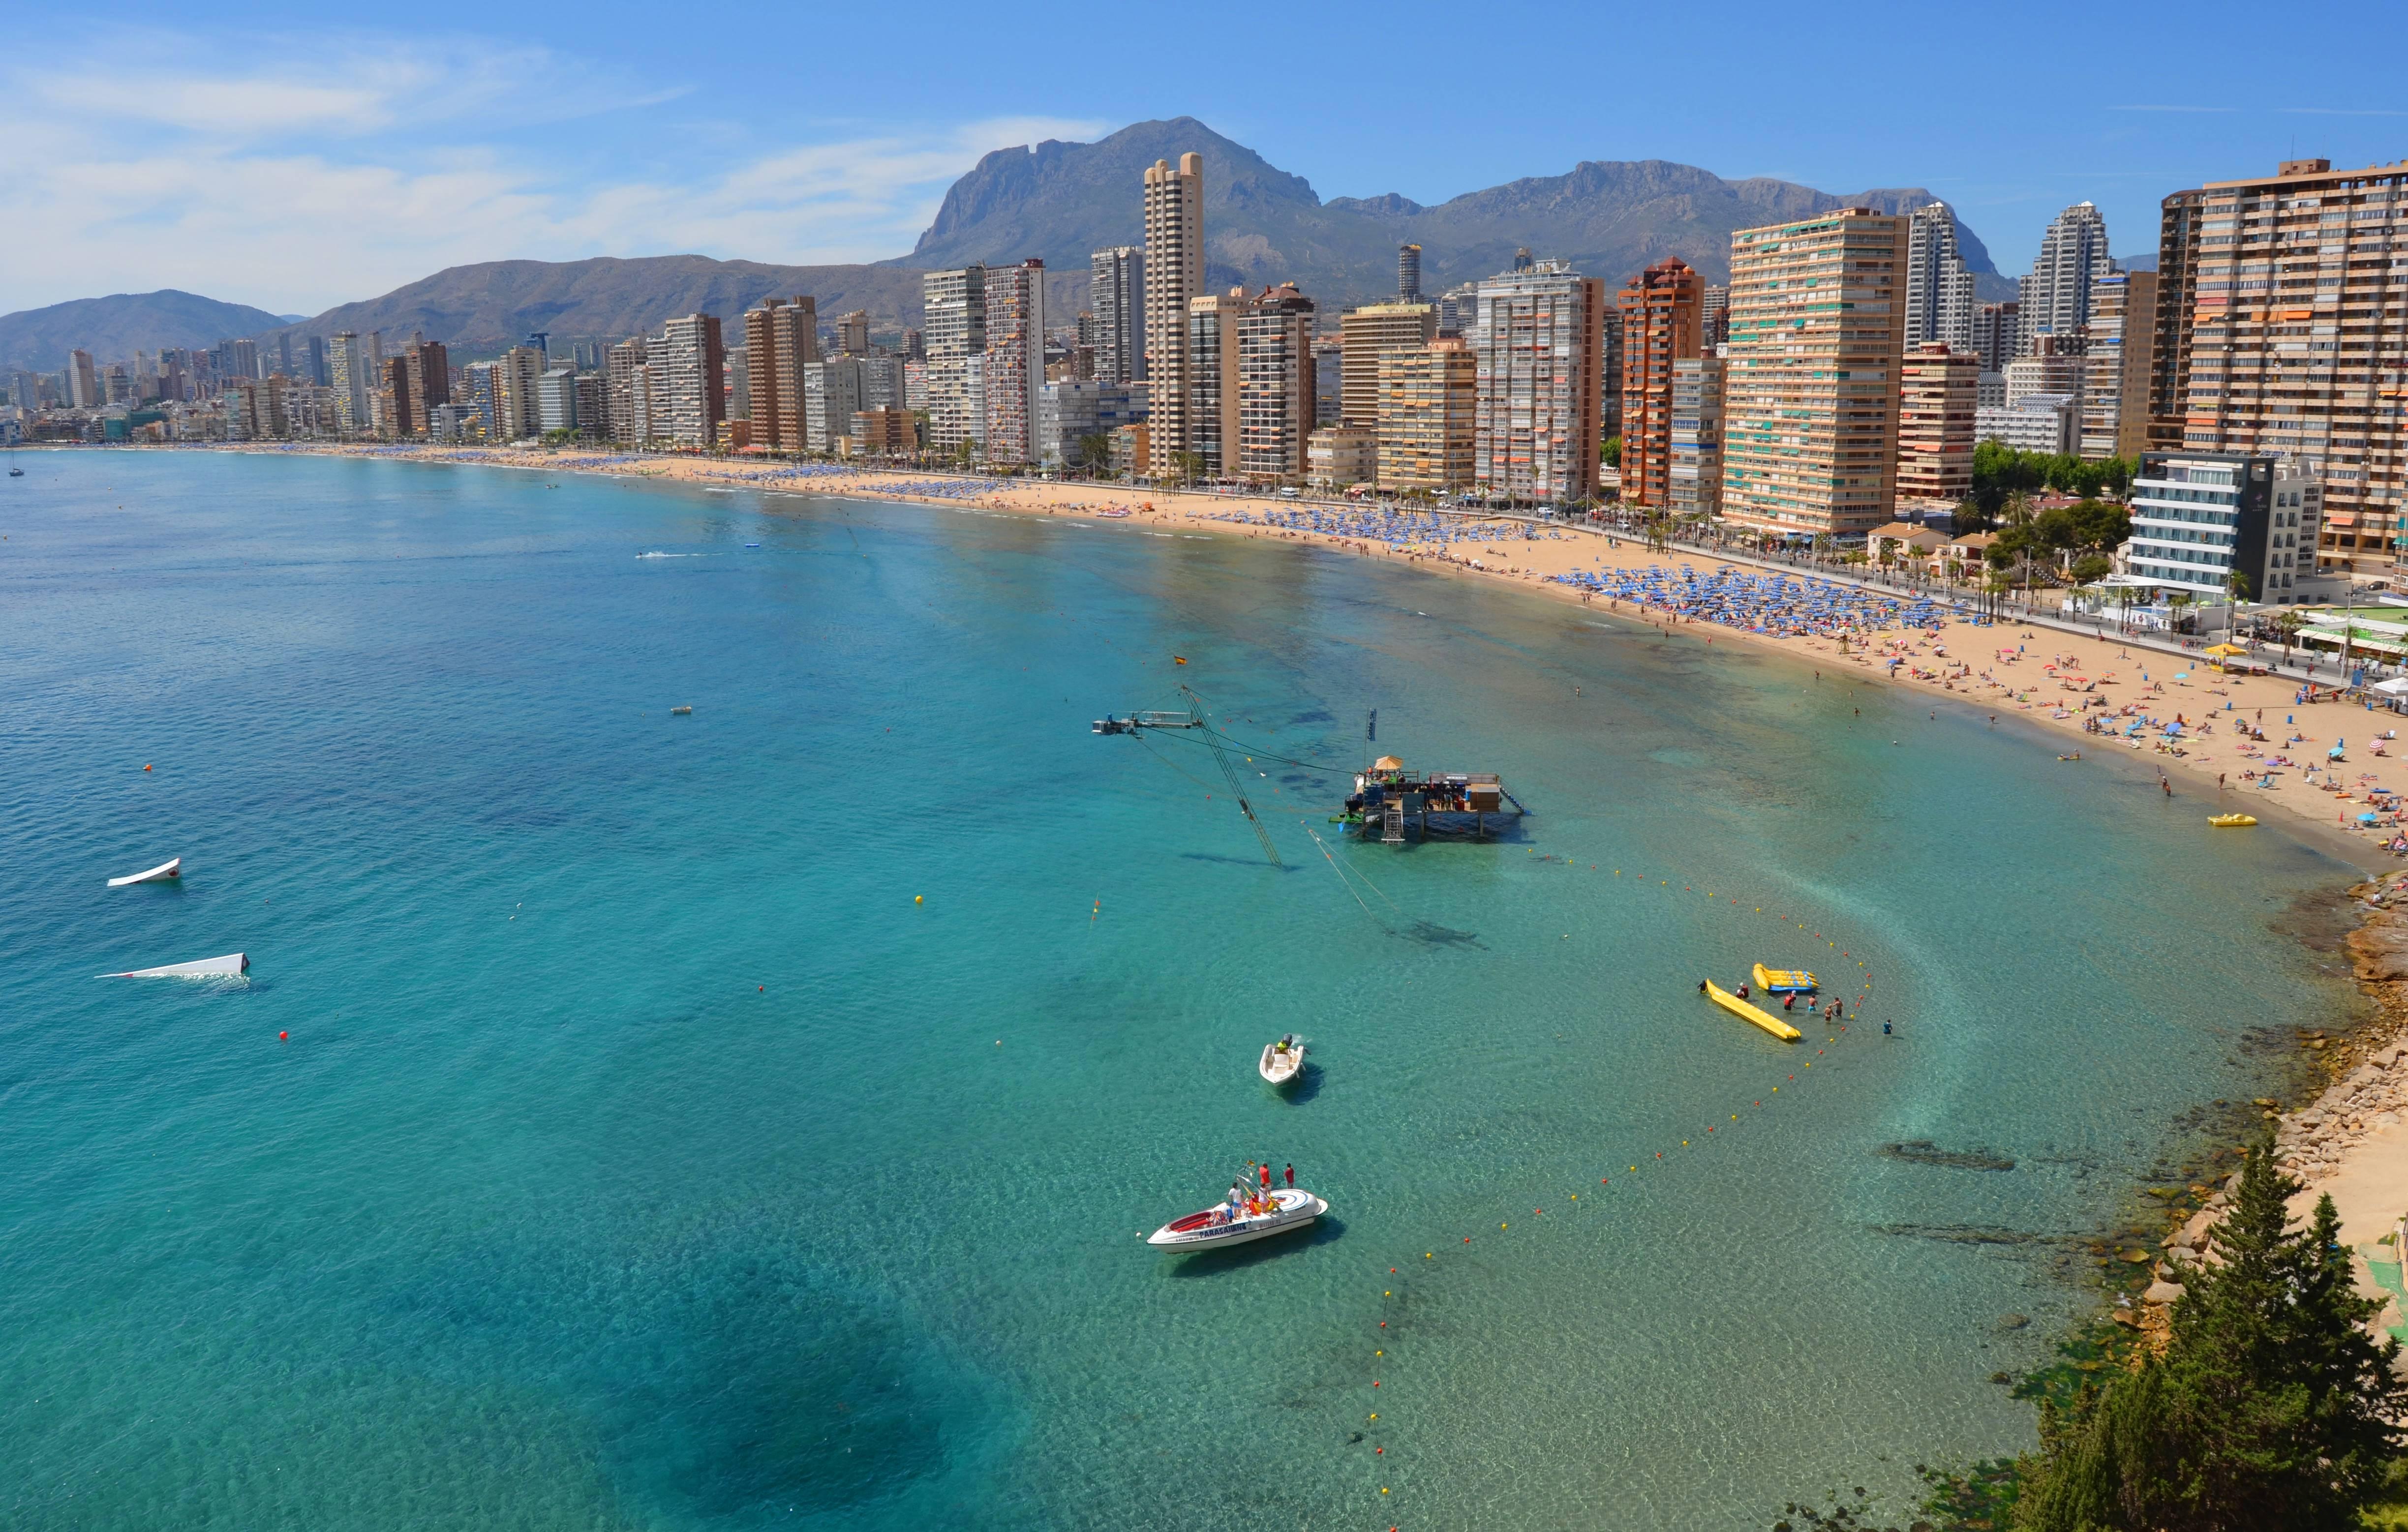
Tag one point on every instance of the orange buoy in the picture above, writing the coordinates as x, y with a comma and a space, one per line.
282, 1036
146, 766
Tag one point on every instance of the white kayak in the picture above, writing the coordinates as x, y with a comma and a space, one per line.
1284, 1060
208, 968
1291, 1207
172, 867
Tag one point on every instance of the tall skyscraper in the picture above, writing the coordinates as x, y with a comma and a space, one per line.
1275, 391
1538, 414
1939, 289
1213, 383
1937, 387
2116, 369
626, 427
2056, 297
83, 381
688, 362
2179, 217
1809, 400
518, 412
780, 339
831, 397
1116, 298
1408, 274
1015, 360
426, 372
1998, 334
1714, 317
2296, 348
1367, 333
1697, 439
956, 340
853, 333
1660, 310
1174, 275
1428, 417
317, 361
347, 368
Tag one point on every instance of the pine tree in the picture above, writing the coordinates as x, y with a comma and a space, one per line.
2272, 1407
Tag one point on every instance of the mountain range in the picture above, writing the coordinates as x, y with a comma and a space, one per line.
113, 328
1056, 202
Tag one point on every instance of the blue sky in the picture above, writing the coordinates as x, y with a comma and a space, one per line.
251, 152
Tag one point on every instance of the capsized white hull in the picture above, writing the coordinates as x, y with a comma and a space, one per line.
208, 968
1293, 1208
172, 867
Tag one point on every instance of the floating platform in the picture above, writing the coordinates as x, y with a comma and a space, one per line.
1393, 805
1783, 980
1746, 1012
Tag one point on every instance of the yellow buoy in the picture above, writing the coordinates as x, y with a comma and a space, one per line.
919, 898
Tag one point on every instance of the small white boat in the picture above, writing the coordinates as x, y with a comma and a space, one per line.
1283, 1061
172, 867
1291, 1208
208, 968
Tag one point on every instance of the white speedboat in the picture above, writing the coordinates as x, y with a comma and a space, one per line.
1283, 1061
1290, 1207
172, 867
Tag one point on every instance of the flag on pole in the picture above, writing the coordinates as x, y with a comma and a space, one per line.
1372, 726
1179, 659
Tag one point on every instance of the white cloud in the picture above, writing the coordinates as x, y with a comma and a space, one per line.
321, 178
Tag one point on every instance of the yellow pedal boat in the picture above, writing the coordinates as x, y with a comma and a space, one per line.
1740, 1008
2231, 822
1783, 980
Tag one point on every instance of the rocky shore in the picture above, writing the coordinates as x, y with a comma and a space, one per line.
2351, 1140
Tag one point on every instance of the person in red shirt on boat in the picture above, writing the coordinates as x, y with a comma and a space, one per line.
1291, 1174
1267, 1178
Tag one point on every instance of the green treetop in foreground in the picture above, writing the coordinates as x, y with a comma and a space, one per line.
2270, 1407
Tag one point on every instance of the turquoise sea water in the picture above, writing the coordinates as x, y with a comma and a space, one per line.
643, 1156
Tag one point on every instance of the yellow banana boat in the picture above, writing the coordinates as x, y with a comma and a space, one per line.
1740, 1008
2231, 822
1780, 980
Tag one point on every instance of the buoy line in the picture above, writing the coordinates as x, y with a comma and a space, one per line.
1382, 1368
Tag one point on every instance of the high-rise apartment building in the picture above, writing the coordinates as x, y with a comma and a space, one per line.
1939, 289
1174, 276
426, 369
592, 402
518, 412
1427, 417
1714, 317
2206, 522
1538, 417
347, 375
956, 333
1609, 352
1408, 274
1116, 298
626, 426
832, 396
555, 394
1364, 335
781, 337
1936, 399
1015, 360
2179, 217
83, 381
1213, 391
1998, 334
853, 333
2116, 368
688, 362
2298, 347
1275, 391
1697, 474
1075, 415
393, 411
740, 390
1809, 400
2056, 297
2048, 371
1660, 310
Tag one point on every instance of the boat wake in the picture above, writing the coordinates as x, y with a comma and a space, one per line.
669, 555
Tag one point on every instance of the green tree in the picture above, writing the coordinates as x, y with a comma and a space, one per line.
1613, 452
2270, 1407
1095, 451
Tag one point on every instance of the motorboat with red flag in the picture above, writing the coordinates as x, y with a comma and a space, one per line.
1238, 1219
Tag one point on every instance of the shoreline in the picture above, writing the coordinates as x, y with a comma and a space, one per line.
2351, 1137
2006, 669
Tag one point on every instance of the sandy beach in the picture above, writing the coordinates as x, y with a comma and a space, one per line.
2006, 670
